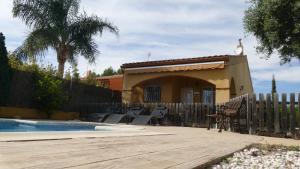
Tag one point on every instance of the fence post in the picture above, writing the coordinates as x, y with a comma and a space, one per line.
292, 113
276, 114
254, 114
269, 112
284, 114
248, 113
261, 112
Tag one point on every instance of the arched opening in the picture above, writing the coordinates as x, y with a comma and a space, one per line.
233, 93
174, 89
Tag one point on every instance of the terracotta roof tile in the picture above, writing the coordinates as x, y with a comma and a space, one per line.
215, 58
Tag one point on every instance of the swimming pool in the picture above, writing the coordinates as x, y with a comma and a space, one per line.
10, 125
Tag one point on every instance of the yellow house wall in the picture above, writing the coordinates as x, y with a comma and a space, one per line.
217, 77
239, 71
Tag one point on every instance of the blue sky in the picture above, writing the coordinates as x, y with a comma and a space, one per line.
168, 29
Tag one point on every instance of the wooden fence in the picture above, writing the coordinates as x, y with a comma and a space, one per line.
183, 114
261, 114
277, 115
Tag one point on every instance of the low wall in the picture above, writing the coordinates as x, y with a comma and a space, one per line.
25, 113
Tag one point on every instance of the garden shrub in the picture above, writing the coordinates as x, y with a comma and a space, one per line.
49, 93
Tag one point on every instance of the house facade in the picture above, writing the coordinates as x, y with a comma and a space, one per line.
212, 79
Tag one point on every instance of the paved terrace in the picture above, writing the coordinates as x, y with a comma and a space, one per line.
150, 148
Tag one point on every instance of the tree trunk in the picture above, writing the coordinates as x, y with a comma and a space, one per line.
62, 55
61, 68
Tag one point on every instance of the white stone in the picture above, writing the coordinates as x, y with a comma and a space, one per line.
260, 159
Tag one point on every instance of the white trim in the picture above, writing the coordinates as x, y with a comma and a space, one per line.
151, 67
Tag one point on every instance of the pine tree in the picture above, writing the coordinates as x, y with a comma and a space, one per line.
274, 90
4, 72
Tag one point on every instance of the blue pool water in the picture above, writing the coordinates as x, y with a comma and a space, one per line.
32, 126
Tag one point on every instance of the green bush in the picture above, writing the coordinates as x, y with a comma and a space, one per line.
49, 93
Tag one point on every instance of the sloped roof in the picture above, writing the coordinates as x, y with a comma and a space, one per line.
175, 68
109, 77
205, 59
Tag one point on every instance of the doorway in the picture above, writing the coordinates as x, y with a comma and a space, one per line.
187, 95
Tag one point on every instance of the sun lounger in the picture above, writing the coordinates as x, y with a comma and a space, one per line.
135, 111
98, 117
115, 118
143, 120
157, 115
160, 112
126, 118
101, 117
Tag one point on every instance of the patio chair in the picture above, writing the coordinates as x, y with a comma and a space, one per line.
229, 113
219, 117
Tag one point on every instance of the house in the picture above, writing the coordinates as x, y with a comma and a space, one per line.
211, 79
113, 82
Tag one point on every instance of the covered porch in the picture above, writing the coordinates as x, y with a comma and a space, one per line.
173, 89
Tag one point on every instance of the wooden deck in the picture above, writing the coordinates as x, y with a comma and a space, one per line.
152, 148
177, 148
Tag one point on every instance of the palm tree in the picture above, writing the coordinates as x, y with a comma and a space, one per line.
57, 24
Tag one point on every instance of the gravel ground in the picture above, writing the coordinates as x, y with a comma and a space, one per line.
262, 157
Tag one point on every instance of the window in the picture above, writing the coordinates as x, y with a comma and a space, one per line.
152, 94
208, 95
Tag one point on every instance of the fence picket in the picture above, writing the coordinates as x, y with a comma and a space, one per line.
269, 112
261, 112
292, 114
254, 113
196, 114
206, 113
248, 112
284, 113
276, 114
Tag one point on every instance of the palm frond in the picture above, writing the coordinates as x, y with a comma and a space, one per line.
86, 26
34, 13
81, 32
38, 42
72, 6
